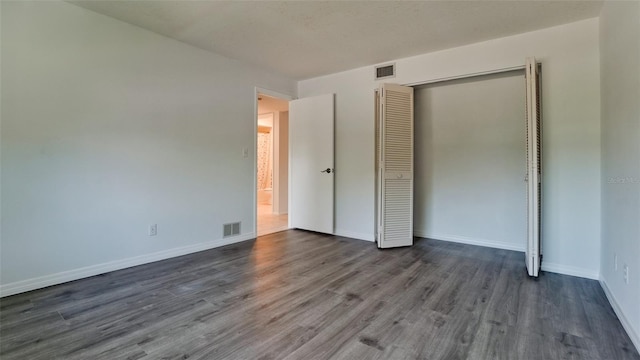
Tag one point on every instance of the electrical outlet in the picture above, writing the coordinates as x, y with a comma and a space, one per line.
153, 229
615, 262
625, 273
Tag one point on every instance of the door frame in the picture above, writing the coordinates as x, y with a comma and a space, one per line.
257, 91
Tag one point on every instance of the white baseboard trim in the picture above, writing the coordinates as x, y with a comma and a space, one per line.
75, 274
554, 268
569, 270
469, 241
354, 235
626, 324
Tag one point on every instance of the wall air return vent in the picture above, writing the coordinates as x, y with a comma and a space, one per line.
385, 71
231, 229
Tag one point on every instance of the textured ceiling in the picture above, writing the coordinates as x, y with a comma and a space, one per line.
304, 39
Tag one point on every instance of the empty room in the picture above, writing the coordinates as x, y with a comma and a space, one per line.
440, 179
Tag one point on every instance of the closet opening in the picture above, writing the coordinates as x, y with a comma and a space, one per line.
460, 160
470, 160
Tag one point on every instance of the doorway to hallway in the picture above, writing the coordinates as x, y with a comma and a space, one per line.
272, 160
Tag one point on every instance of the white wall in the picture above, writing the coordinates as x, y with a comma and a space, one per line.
571, 147
470, 161
107, 128
620, 73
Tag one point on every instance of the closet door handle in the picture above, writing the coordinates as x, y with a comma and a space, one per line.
327, 170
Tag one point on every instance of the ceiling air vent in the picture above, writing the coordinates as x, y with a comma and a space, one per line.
385, 71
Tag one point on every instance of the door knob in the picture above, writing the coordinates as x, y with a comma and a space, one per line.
327, 170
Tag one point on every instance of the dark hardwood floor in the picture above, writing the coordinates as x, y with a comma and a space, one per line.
301, 295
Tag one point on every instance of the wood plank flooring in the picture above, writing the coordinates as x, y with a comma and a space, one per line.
301, 295
268, 222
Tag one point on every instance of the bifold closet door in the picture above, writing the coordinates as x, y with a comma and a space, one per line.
394, 166
533, 177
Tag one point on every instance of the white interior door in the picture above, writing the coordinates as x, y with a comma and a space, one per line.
394, 168
311, 163
533, 177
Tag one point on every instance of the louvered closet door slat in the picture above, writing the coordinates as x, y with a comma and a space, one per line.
397, 199
396, 167
378, 180
398, 131
534, 148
